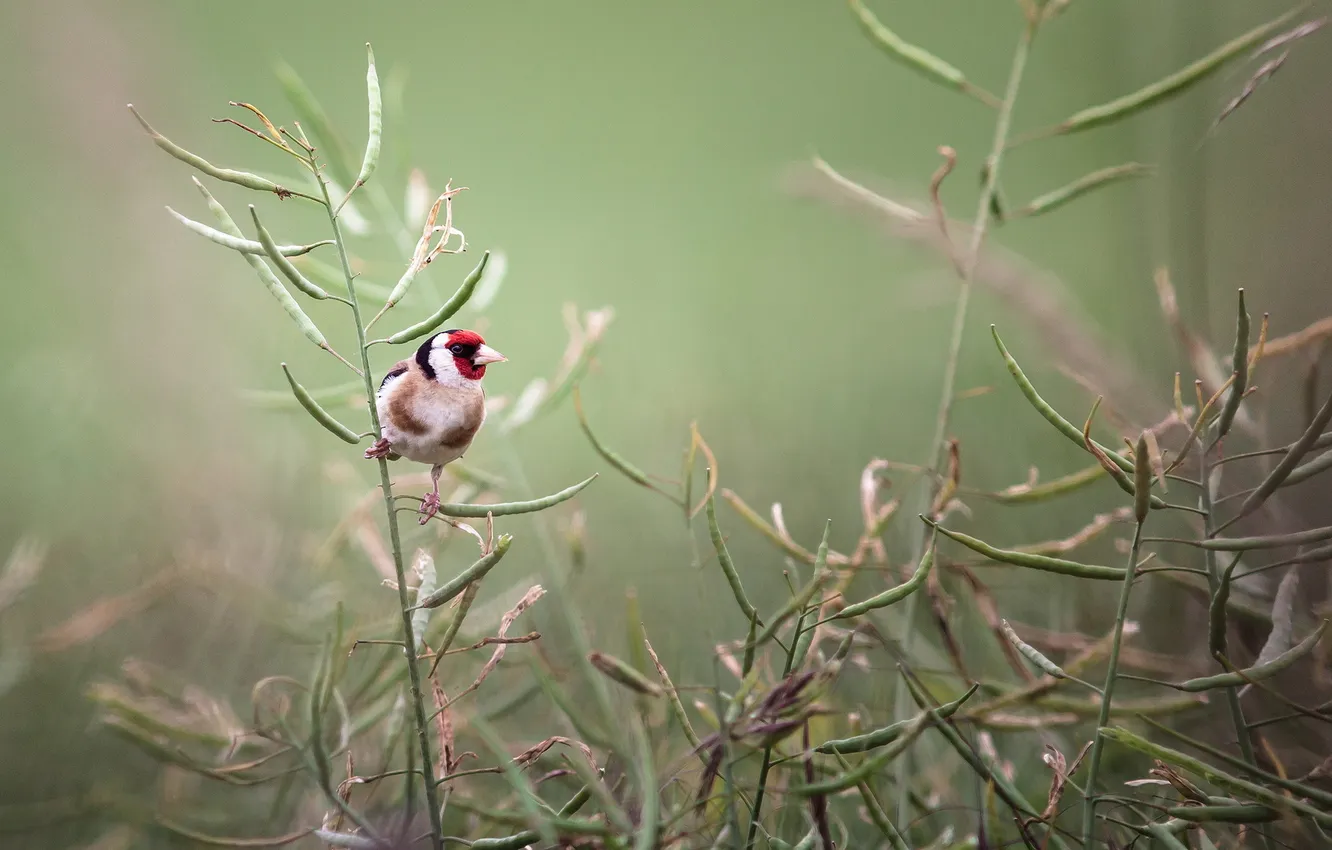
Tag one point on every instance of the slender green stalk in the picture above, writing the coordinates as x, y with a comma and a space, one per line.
395, 538
1213, 584
1111, 676
969, 264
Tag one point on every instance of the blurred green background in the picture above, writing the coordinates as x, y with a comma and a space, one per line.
638, 156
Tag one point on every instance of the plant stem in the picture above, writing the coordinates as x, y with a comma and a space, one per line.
1206, 502
409, 639
1111, 676
979, 230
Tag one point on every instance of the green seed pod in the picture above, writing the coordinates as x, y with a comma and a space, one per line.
472, 574
802, 599
1142, 480
1244, 544
1177, 82
728, 566
240, 178
893, 595
1224, 814
888, 734
444, 313
630, 471
916, 58
322, 416
1051, 201
1240, 365
510, 508
1216, 611
624, 673
270, 281
1031, 653
1257, 672
1034, 562
376, 109
1068, 429
872, 765
289, 271
1286, 466
1305, 471
245, 246
1050, 489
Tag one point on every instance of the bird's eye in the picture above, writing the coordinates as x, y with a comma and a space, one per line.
456, 348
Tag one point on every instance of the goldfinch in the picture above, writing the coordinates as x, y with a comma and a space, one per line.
431, 406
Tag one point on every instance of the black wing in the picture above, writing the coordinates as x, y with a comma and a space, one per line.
400, 369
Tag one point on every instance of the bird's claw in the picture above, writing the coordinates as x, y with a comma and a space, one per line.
380, 449
429, 507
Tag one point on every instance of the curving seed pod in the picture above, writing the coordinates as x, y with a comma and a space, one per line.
472, 574
1244, 544
1224, 814
229, 175
1068, 429
376, 110
1033, 562
322, 416
894, 595
1031, 653
1305, 471
1057, 198
245, 246
1240, 365
728, 566
1142, 480
888, 734
1257, 672
1150, 95
630, 471
510, 508
289, 271
916, 58
446, 310
872, 765
270, 281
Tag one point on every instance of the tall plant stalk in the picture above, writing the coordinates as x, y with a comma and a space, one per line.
979, 230
395, 538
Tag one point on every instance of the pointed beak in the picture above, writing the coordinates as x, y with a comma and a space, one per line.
485, 354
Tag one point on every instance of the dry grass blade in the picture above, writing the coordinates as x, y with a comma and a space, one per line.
696, 439
93, 621
1303, 30
529, 598
940, 214
444, 728
1291, 343
989, 611
530, 755
1260, 76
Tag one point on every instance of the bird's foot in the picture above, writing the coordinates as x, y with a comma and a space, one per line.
429, 507
380, 449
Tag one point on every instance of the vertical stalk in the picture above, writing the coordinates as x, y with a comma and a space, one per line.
409, 640
979, 229
1213, 583
1108, 692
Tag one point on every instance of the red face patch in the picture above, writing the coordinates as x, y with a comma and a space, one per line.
463, 345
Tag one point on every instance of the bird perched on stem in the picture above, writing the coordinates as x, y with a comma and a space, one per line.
432, 405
